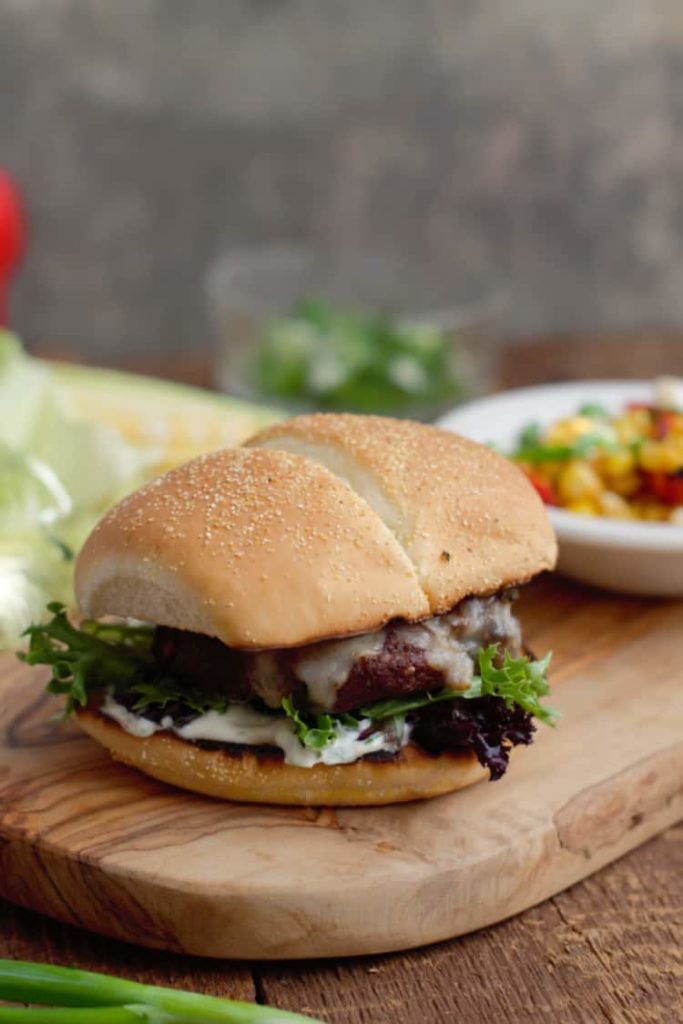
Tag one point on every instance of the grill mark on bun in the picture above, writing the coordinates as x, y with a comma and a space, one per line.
267, 753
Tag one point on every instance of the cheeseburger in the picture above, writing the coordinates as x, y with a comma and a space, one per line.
321, 616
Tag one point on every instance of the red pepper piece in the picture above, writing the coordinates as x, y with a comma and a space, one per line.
668, 487
665, 420
544, 489
12, 237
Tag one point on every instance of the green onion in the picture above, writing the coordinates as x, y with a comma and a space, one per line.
52, 1015
107, 1000
83, 1015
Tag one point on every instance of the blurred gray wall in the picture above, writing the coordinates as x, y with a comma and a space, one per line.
537, 143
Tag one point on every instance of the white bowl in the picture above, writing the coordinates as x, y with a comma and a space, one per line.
628, 557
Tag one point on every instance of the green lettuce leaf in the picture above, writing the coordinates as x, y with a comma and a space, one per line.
58, 474
88, 659
103, 655
166, 691
24, 384
113, 656
316, 731
518, 681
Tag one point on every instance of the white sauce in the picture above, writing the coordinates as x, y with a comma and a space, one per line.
136, 725
243, 724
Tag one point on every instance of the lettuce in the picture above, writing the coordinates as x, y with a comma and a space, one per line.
519, 681
108, 656
58, 474
494, 713
24, 384
324, 728
22, 599
88, 659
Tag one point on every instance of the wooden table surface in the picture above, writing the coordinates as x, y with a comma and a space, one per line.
609, 949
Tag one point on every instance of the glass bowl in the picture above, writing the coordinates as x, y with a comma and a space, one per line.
376, 332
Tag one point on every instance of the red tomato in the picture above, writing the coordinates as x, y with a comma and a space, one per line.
665, 421
544, 489
667, 487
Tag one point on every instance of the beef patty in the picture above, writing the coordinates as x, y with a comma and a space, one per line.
340, 675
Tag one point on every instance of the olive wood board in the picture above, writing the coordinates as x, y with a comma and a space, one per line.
98, 845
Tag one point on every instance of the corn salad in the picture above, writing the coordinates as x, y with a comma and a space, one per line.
624, 466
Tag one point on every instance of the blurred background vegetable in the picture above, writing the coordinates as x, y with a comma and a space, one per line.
72, 442
311, 328
324, 357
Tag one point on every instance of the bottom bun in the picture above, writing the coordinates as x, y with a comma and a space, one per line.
410, 775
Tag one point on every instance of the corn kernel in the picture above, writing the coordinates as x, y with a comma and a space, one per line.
653, 511
578, 480
626, 485
614, 506
569, 430
676, 516
661, 456
633, 425
583, 507
618, 463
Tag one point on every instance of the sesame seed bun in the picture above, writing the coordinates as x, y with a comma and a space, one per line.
468, 519
324, 526
410, 775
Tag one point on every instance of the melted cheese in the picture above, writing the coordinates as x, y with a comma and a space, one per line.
325, 667
244, 725
442, 650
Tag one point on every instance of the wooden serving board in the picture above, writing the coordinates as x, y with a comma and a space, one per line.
99, 845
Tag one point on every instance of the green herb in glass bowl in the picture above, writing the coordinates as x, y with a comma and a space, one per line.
329, 358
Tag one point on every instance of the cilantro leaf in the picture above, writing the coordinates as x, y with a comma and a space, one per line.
530, 436
594, 410
538, 452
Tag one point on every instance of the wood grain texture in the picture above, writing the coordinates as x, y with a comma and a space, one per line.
28, 936
607, 950
98, 845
